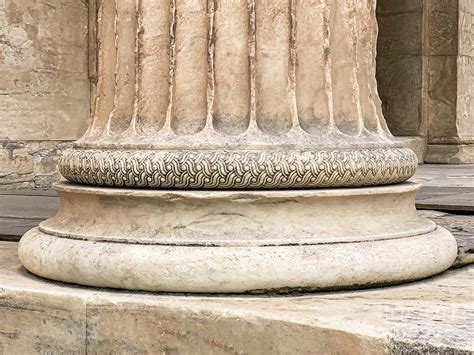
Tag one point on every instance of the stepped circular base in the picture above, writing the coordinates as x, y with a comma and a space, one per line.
228, 241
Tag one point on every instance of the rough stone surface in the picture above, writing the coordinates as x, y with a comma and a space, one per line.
445, 176
451, 153
44, 94
29, 164
44, 86
425, 72
399, 65
432, 316
450, 75
417, 144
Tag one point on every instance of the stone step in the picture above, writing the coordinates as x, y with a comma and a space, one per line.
433, 316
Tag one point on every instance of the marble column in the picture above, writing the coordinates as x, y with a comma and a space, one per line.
237, 146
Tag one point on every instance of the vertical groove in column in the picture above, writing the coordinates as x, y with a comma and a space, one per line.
313, 89
328, 63
366, 43
378, 123
107, 58
232, 67
252, 46
152, 96
138, 69
189, 108
347, 113
125, 31
272, 65
211, 80
172, 62
292, 80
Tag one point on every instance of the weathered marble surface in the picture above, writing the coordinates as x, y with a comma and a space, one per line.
213, 96
432, 316
236, 241
30, 164
243, 94
425, 71
400, 65
451, 153
445, 176
44, 87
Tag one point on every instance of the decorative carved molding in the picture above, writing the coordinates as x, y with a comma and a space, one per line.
238, 169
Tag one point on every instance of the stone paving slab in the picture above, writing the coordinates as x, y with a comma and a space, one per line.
23, 209
445, 175
456, 199
430, 316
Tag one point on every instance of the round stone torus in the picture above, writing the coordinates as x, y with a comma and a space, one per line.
238, 169
236, 241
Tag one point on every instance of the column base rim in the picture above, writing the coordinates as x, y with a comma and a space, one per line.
197, 269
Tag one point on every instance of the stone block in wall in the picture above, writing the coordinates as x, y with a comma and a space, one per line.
442, 31
450, 154
465, 98
425, 71
399, 34
466, 28
442, 98
44, 85
465, 61
399, 85
399, 70
450, 71
398, 6
31, 164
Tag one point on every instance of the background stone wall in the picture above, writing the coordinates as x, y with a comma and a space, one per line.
399, 64
44, 86
425, 72
451, 82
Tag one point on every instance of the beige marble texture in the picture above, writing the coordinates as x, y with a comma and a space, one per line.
44, 87
30, 164
217, 151
431, 316
45, 90
252, 94
231, 241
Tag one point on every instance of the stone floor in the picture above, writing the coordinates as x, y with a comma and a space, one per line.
446, 187
434, 316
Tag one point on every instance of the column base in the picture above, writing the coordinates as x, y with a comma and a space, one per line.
237, 241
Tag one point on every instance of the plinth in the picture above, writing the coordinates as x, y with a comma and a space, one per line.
237, 146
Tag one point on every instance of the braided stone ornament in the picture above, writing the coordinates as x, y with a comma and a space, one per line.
238, 169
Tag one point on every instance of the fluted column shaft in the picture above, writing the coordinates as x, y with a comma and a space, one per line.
284, 84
